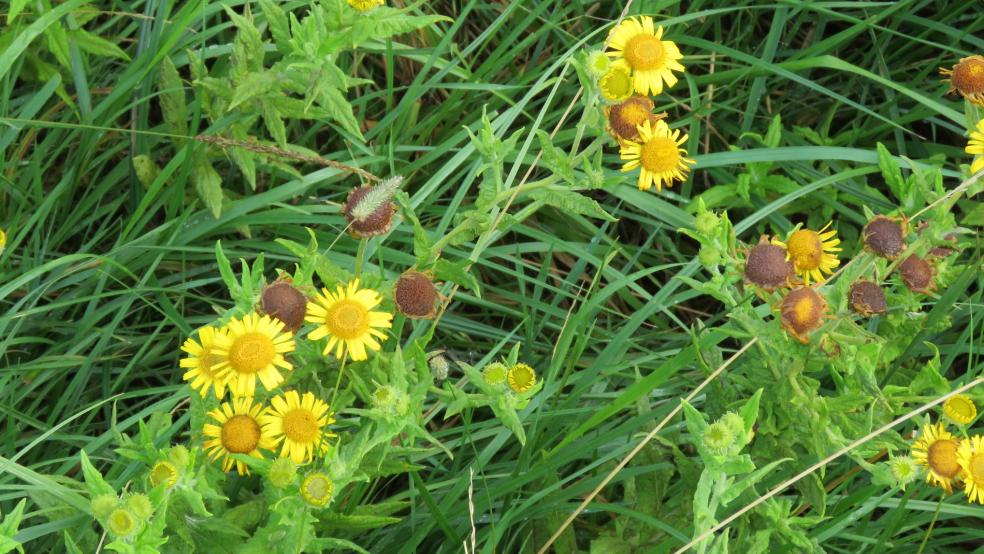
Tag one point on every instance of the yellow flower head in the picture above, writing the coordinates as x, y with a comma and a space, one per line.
659, 155
205, 366
812, 252
936, 449
971, 460
967, 78
364, 5
521, 378
298, 422
976, 146
495, 373
960, 409
616, 83
236, 430
253, 348
316, 489
164, 472
121, 523
652, 60
3, 240
347, 319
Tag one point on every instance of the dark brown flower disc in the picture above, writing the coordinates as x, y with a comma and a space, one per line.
624, 118
802, 310
884, 237
867, 298
415, 295
767, 267
284, 302
917, 274
378, 222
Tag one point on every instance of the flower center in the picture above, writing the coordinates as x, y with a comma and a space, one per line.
645, 52
805, 249
164, 472
804, 310
522, 378
968, 76
962, 407
240, 434
318, 487
251, 352
942, 458
121, 522
660, 155
348, 319
617, 83
976, 468
300, 425
633, 114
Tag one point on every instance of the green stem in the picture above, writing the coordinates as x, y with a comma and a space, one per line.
360, 257
338, 381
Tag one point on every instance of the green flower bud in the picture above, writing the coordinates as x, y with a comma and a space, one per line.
709, 256
904, 469
718, 438
598, 63
179, 456
495, 373
283, 471
121, 523
140, 506
103, 505
706, 222
316, 489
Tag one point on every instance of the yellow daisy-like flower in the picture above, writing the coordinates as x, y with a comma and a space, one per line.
967, 78
616, 83
203, 362
960, 409
3, 240
976, 146
253, 347
521, 378
346, 317
316, 489
971, 460
812, 252
298, 422
238, 432
164, 472
364, 5
651, 59
936, 449
659, 155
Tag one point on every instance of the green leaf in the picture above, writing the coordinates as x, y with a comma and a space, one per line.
93, 479
96, 45
208, 184
274, 122
146, 170
225, 270
571, 202
9, 528
891, 173
555, 159
255, 84
172, 98
278, 24
16, 7
457, 273
334, 102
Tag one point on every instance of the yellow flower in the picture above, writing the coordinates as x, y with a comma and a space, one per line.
976, 146
811, 252
521, 378
298, 422
659, 154
651, 59
316, 489
121, 523
238, 432
164, 472
251, 348
616, 84
936, 449
495, 373
346, 318
971, 460
202, 363
960, 409
967, 78
3, 240
364, 5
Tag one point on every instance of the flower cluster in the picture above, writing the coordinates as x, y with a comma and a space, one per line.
950, 459
642, 63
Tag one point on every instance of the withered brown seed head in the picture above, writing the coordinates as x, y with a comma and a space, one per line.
803, 310
867, 298
917, 274
884, 237
284, 302
415, 295
967, 77
624, 118
767, 267
378, 223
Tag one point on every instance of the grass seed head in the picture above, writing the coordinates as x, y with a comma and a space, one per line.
283, 301
415, 295
867, 298
884, 237
368, 215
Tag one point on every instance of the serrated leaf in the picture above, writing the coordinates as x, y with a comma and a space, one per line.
571, 202
255, 84
96, 45
385, 22
274, 123
93, 479
891, 173
58, 43
458, 274
172, 97
338, 108
555, 159
225, 270
146, 170
208, 184
278, 24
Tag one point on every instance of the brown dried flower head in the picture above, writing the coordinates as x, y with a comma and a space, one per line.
802, 312
884, 237
766, 266
625, 118
415, 295
867, 298
917, 274
283, 301
967, 78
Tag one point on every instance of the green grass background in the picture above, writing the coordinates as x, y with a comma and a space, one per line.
102, 278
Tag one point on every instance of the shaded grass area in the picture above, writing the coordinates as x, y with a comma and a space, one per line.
102, 277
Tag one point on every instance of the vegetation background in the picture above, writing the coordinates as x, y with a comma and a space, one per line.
102, 278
